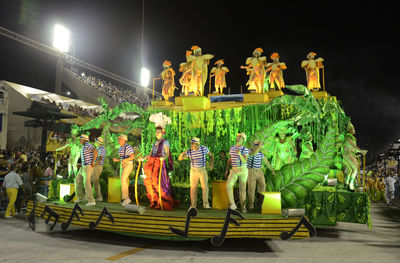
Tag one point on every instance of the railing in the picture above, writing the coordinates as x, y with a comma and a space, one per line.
70, 59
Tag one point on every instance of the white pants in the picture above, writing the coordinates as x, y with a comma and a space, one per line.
256, 177
125, 172
84, 178
236, 173
389, 195
98, 169
197, 174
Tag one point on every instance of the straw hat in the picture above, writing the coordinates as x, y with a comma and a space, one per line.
99, 140
84, 137
123, 136
195, 140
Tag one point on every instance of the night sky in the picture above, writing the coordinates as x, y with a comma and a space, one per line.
357, 43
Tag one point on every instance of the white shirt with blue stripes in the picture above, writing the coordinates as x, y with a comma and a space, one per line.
198, 157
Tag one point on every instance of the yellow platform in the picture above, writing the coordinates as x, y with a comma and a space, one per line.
161, 103
255, 97
274, 93
155, 223
320, 94
195, 103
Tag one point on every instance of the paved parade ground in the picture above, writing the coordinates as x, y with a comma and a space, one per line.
345, 242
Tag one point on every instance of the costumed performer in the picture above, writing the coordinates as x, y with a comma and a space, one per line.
256, 69
219, 73
312, 66
350, 149
276, 75
98, 168
167, 76
256, 174
238, 160
126, 157
75, 150
185, 68
284, 151
389, 188
198, 171
159, 163
199, 71
306, 144
83, 180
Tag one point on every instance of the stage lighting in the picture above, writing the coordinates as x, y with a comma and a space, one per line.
61, 38
145, 77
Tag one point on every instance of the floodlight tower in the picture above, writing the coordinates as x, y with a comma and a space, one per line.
61, 42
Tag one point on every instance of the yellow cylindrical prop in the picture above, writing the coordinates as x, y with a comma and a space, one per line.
271, 203
67, 189
219, 195
114, 190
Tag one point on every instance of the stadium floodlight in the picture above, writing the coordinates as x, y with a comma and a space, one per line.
145, 77
61, 38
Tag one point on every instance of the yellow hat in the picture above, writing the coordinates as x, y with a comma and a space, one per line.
84, 137
99, 140
123, 136
243, 135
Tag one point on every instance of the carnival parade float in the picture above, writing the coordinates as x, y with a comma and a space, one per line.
310, 171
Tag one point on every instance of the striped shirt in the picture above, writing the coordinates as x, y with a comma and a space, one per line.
87, 154
101, 155
125, 151
198, 157
236, 162
254, 161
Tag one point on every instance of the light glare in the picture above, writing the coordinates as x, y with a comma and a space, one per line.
145, 77
61, 38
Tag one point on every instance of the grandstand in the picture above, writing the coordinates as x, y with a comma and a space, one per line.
68, 74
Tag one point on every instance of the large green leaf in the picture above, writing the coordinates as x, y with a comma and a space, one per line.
295, 180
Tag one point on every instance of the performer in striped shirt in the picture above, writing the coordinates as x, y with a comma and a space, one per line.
238, 159
256, 174
198, 154
126, 157
98, 168
84, 176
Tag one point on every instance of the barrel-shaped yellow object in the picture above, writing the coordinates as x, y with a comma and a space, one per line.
271, 203
114, 190
219, 195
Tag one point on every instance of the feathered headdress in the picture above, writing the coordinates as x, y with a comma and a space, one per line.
167, 63
219, 61
274, 55
312, 54
160, 120
260, 50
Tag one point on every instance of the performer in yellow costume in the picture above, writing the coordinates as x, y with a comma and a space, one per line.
185, 68
199, 71
276, 75
312, 66
167, 75
256, 69
218, 73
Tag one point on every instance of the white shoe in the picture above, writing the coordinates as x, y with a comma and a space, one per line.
125, 202
99, 199
244, 210
78, 200
90, 204
206, 207
8, 217
233, 207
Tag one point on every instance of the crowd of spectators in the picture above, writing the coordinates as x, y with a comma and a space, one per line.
115, 92
34, 172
